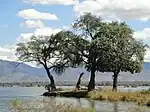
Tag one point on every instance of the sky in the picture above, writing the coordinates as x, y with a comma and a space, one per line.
22, 18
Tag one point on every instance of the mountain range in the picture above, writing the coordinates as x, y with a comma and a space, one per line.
25, 73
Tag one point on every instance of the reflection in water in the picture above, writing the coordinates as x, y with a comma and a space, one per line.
79, 102
33, 93
116, 106
97, 106
92, 104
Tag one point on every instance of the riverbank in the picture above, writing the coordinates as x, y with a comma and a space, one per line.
69, 93
141, 97
33, 94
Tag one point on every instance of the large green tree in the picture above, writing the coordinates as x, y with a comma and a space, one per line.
122, 52
89, 45
102, 47
81, 47
44, 51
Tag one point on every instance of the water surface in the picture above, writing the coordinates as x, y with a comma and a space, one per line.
33, 93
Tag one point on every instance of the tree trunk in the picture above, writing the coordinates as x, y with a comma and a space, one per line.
115, 80
52, 85
91, 85
79, 81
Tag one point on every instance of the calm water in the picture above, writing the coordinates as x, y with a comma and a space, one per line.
7, 94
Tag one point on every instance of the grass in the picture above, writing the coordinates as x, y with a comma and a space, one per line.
44, 106
142, 98
141, 109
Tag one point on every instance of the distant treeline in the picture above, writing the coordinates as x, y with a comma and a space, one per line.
71, 83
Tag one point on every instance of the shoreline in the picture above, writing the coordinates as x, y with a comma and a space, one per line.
140, 97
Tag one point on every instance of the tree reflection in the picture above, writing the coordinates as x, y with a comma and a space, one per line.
92, 104
115, 106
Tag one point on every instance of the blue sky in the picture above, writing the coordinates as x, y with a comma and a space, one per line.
10, 22
20, 18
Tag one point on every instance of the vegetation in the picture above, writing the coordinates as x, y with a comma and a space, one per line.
44, 106
73, 83
79, 81
125, 54
44, 51
103, 47
51, 105
87, 44
141, 109
96, 45
83, 47
142, 98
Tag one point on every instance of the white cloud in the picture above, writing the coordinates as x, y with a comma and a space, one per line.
8, 53
4, 50
65, 27
52, 2
24, 37
46, 31
116, 9
147, 56
34, 14
33, 24
142, 34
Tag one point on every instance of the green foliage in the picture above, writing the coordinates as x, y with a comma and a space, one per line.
103, 47
81, 48
145, 92
16, 105
123, 52
71, 48
96, 45
45, 51
42, 50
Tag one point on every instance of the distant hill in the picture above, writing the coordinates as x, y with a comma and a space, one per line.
9, 72
26, 73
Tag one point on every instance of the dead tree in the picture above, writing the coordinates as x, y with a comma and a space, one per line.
79, 81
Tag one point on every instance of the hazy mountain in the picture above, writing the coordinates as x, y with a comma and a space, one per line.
9, 72
24, 72
7, 67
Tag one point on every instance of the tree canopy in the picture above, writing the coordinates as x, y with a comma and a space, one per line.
82, 47
103, 47
124, 53
44, 51
94, 44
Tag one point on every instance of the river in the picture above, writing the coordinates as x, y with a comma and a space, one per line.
33, 93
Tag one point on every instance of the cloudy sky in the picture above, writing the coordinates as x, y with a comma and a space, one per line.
22, 18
